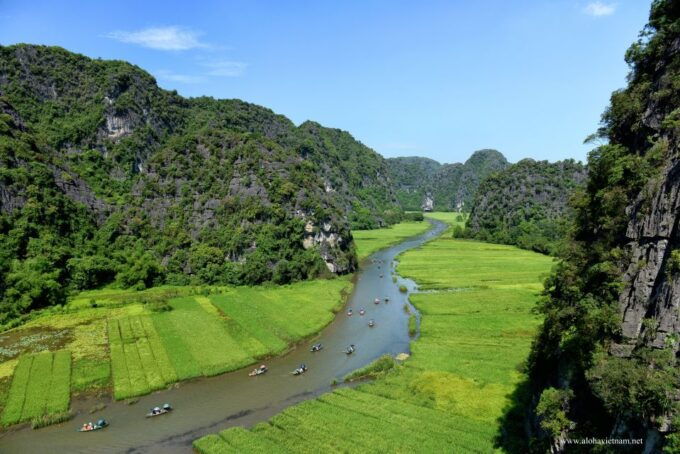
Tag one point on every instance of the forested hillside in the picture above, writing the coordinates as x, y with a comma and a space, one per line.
443, 187
605, 362
105, 177
526, 204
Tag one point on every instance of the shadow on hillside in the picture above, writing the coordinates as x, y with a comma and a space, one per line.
512, 433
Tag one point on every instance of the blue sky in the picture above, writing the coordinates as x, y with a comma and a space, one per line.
433, 78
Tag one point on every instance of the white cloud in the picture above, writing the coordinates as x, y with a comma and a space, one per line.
598, 9
181, 78
225, 68
161, 38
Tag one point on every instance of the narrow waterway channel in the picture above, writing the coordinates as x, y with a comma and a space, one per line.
209, 405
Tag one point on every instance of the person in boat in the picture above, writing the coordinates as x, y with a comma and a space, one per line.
349, 312
167, 407
84, 427
362, 311
90, 426
155, 411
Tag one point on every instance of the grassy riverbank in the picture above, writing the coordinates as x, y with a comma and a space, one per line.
370, 241
450, 217
131, 343
476, 330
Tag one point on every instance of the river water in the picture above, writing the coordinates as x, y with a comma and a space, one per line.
208, 405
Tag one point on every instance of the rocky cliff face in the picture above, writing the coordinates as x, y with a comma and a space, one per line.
605, 362
650, 300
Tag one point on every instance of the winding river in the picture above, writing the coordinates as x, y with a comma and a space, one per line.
209, 405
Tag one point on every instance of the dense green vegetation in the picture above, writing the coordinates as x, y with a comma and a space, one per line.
476, 331
127, 340
450, 186
370, 241
526, 204
106, 178
588, 379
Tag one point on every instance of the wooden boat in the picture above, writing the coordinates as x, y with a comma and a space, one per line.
300, 370
258, 371
101, 424
166, 408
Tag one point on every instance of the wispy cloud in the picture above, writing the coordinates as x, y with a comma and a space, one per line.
225, 68
181, 78
598, 9
161, 38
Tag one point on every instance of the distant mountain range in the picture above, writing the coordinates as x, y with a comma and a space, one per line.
423, 183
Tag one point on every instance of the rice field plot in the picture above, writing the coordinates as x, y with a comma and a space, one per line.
449, 395
278, 316
40, 386
197, 342
213, 444
449, 263
370, 241
450, 217
139, 360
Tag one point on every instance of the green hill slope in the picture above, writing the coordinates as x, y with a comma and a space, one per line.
526, 204
106, 177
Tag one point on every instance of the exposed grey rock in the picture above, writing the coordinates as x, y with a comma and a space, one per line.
428, 203
651, 293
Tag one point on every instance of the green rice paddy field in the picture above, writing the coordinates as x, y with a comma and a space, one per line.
370, 241
476, 331
450, 217
119, 340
